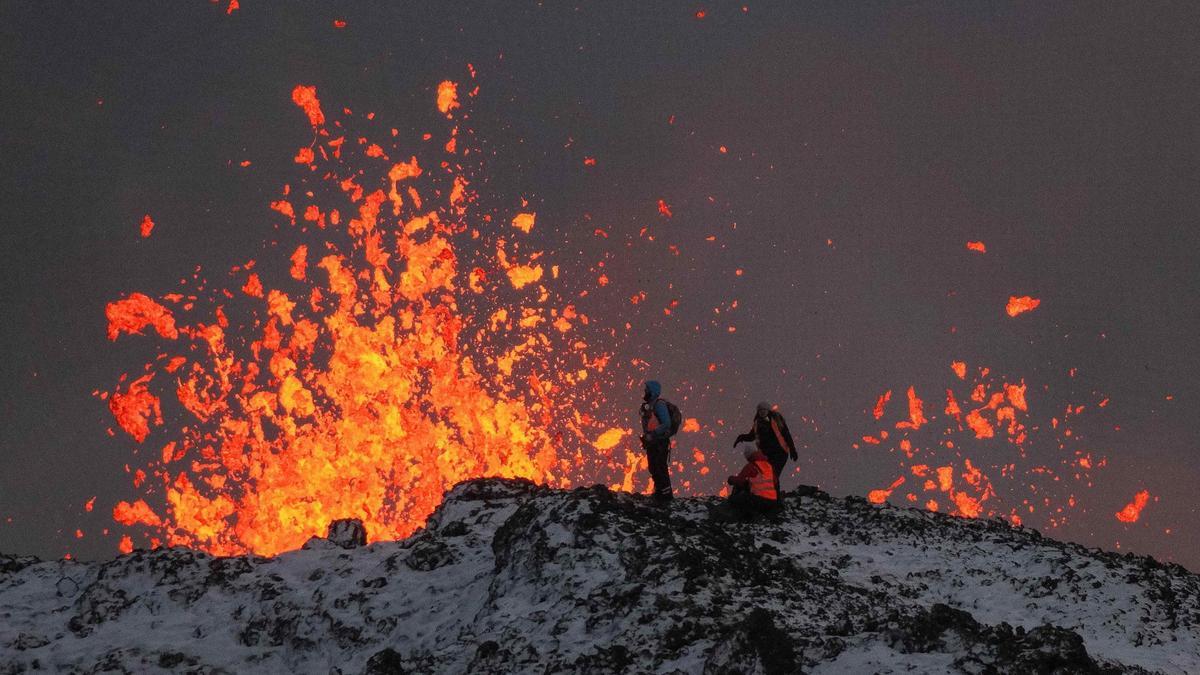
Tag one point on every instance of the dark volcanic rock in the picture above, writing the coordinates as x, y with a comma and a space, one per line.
348, 533
429, 554
385, 662
510, 577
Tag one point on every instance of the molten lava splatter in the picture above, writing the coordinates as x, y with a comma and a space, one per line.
881, 403
447, 97
916, 412
881, 496
1133, 510
147, 226
306, 98
1021, 305
406, 343
137, 312
135, 409
977, 246
984, 436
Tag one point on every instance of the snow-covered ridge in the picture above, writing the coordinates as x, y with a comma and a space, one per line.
508, 577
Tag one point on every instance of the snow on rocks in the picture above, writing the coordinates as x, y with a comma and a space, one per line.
348, 533
510, 577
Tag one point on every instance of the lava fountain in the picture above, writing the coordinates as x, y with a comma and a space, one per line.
397, 340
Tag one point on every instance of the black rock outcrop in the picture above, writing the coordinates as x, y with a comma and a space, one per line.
510, 577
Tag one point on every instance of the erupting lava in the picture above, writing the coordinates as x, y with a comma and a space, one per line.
1021, 305
984, 436
400, 342
1133, 510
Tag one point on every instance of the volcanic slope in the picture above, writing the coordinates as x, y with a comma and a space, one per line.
508, 577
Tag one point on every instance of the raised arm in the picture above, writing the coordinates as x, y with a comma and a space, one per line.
743, 479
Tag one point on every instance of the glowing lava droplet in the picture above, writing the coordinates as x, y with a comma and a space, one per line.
1133, 510
1021, 305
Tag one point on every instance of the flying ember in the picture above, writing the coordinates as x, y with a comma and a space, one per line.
974, 459
1021, 305
395, 340
1133, 510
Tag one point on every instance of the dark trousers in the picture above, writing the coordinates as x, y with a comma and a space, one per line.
658, 457
777, 462
746, 506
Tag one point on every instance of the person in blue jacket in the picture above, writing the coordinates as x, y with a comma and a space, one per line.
656, 439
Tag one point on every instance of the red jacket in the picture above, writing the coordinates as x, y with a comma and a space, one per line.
757, 476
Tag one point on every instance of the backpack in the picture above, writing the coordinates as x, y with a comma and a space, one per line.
675, 415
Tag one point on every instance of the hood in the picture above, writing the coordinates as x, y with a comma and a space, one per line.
653, 390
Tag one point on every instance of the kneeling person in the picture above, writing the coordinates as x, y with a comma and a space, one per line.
754, 490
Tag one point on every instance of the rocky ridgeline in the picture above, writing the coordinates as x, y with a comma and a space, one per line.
508, 577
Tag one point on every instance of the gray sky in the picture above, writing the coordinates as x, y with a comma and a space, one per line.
1065, 137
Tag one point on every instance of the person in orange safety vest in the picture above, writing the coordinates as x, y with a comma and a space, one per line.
754, 488
770, 433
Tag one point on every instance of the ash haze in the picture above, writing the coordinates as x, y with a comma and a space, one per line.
841, 157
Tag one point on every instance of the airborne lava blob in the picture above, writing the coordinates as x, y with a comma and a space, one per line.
409, 342
985, 439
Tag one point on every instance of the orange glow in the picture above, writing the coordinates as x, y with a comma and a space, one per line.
610, 438
1016, 395
299, 260
945, 477
1021, 305
980, 425
137, 512
967, 505
306, 98
447, 97
136, 312
916, 412
976, 246
147, 226
358, 378
988, 417
136, 408
523, 275
690, 425
952, 406
881, 496
1133, 510
664, 208
524, 222
253, 286
881, 403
